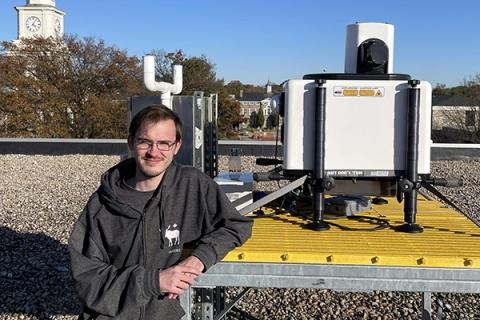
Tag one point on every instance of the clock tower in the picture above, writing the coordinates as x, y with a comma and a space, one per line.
39, 18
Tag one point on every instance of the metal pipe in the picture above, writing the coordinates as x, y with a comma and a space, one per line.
319, 162
165, 88
411, 167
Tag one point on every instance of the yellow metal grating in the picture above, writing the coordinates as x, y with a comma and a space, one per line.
449, 240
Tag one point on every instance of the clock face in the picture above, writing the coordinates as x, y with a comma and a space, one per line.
33, 24
58, 26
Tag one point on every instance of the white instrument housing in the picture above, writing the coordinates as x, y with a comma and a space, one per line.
366, 127
357, 33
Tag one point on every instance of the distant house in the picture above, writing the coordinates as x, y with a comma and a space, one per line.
455, 119
454, 112
252, 102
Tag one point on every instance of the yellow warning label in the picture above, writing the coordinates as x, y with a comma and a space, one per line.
350, 92
367, 92
358, 92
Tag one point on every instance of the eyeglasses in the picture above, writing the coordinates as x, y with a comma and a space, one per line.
143, 144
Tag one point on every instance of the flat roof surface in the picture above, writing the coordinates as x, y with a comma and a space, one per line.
449, 240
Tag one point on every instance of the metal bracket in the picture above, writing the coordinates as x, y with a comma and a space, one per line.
204, 304
406, 185
222, 313
328, 183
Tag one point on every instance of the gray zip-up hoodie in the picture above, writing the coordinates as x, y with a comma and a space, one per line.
117, 251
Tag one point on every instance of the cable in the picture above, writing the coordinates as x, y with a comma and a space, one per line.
382, 223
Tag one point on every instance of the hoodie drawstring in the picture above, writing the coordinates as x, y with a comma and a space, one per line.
161, 219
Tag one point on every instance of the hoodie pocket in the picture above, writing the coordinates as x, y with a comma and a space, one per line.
177, 308
166, 308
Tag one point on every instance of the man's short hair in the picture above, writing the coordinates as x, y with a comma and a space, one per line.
153, 114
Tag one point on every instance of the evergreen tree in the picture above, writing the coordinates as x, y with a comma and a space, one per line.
253, 120
260, 118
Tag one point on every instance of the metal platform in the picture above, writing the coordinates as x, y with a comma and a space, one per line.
449, 240
282, 254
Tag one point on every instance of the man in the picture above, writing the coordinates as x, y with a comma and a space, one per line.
127, 247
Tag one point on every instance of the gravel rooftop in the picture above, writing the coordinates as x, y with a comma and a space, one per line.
42, 196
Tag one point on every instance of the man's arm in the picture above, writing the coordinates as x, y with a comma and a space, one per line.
225, 228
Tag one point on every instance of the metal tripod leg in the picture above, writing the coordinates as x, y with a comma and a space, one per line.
274, 195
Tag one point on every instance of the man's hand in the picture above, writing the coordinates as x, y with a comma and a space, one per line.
191, 262
175, 279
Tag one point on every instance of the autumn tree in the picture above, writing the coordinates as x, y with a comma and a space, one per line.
31, 102
68, 87
441, 89
235, 87
79, 88
229, 117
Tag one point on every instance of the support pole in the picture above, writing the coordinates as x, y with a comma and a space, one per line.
186, 303
319, 161
411, 183
427, 305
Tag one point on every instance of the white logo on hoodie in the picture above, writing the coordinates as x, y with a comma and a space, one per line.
173, 235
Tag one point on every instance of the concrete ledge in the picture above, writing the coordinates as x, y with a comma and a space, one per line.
63, 146
440, 151
453, 151
250, 148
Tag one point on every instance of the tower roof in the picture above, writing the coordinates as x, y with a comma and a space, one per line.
41, 2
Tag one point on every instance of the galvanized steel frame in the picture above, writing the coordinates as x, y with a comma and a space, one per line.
337, 277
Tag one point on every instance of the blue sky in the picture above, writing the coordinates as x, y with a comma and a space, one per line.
256, 40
